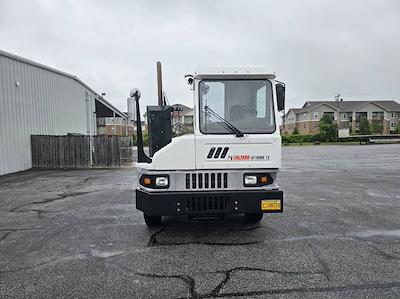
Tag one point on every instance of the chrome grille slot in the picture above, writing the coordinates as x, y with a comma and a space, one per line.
187, 181
206, 178
213, 180
200, 180
194, 181
225, 180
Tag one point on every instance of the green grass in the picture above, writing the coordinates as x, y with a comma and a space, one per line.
322, 143
334, 143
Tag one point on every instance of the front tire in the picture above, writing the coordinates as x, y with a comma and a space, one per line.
254, 217
152, 220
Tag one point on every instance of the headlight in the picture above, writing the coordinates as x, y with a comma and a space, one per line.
250, 180
162, 181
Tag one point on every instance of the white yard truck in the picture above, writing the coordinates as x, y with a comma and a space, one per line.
229, 164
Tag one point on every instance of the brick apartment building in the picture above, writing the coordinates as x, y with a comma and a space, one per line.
114, 126
347, 114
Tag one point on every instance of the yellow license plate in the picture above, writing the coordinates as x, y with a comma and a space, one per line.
270, 205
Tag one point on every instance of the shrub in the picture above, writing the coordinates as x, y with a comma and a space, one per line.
295, 131
397, 131
145, 139
299, 138
377, 127
327, 129
364, 127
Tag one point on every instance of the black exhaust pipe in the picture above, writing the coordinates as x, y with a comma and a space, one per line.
142, 157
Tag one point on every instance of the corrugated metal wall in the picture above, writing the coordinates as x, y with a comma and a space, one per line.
45, 102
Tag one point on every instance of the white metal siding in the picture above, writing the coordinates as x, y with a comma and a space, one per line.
46, 102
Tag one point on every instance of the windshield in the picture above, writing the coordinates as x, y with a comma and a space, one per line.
246, 104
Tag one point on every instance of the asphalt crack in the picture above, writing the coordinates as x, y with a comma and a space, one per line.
207, 243
307, 290
3, 237
216, 292
324, 265
186, 279
31, 267
153, 238
190, 283
376, 250
63, 196
40, 212
246, 229
153, 241
80, 255
9, 231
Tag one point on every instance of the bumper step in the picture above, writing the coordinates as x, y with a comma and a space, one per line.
206, 203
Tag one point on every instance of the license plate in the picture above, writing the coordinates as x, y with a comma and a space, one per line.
270, 205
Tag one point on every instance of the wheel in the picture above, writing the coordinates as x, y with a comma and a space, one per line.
256, 217
152, 220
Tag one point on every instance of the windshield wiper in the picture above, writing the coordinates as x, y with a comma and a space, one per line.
228, 125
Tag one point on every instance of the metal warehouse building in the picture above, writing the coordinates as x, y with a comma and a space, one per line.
37, 99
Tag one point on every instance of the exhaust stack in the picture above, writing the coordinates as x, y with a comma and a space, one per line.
142, 157
159, 85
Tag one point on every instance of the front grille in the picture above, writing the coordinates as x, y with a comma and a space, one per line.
207, 203
206, 180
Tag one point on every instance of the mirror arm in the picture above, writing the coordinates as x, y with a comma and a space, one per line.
142, 157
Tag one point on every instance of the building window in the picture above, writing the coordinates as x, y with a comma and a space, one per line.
304, 125
315, 125
304, 116
394, 115
344, 115
315, 114
330, 114
392, 125
377, 115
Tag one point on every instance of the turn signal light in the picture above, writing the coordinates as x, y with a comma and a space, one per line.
264, 179
146, 181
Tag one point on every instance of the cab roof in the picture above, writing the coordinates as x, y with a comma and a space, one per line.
251, 72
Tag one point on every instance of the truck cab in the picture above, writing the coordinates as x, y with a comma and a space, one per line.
229, 164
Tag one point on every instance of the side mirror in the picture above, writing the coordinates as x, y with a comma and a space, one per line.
280, 96
135, 93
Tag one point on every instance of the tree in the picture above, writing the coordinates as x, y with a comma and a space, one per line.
364, 127
327, 129
295, 131
397, 131
377, 127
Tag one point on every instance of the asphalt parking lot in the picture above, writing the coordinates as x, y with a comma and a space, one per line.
77, 234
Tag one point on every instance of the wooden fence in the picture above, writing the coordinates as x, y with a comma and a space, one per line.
74, 151
126, 148
106, 151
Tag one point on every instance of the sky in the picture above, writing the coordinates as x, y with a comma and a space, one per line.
317, 47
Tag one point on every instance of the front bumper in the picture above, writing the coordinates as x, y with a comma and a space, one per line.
205, 203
